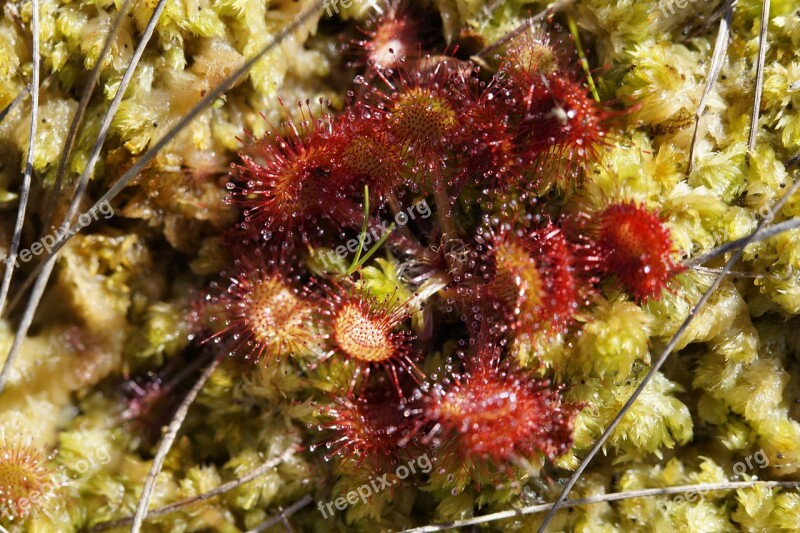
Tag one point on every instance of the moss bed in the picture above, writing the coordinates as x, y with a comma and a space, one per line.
126, 324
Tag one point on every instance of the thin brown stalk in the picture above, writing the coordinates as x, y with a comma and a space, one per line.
222, 489
762, 54
166, 444
612, 497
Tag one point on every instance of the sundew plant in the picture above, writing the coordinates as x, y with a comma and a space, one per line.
399, 266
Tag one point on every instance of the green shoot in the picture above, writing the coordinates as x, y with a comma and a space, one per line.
573, 29
358, 260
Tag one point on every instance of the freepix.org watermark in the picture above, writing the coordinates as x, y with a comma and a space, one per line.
46, 243
41, 498
332, 6
330, 257
740, 468
374, 486
670, 5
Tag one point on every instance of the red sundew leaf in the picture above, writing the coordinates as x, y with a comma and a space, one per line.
263, 314
560, 127
286, 184
372, 426
368, 155
563, 127
420, 110
388, 40
364, 330
633, 246
485, 147
526, 282
495, 412
24, 477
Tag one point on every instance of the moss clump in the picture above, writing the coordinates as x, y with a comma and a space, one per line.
118, 333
